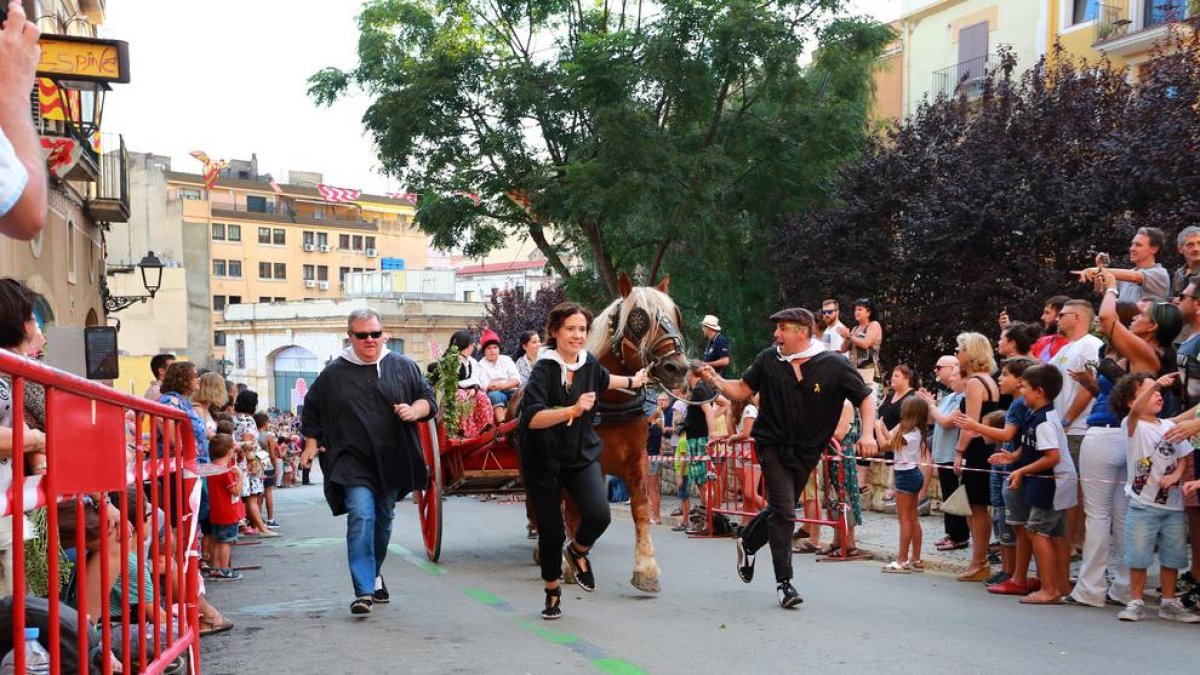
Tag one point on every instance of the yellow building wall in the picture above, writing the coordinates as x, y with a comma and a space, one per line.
930, 38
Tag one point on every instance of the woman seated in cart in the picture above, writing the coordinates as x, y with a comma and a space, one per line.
470, 387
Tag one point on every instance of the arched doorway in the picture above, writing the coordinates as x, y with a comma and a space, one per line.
294, 370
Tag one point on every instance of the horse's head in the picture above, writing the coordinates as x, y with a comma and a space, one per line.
640, 330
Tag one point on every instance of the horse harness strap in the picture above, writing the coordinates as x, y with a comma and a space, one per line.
619, 412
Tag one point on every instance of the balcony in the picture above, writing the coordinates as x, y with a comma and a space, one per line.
109, 198
283, 213
964, 79
1126, 27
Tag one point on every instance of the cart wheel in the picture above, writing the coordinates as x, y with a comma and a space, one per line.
429, 501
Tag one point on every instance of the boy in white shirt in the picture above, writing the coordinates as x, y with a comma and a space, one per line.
1155, 501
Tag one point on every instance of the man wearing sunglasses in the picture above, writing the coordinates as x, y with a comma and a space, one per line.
364, 409
831, 324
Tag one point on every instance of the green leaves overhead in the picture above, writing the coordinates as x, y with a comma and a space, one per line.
649, 137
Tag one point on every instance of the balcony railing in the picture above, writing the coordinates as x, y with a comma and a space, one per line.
1116, 19
964, 79
109, 200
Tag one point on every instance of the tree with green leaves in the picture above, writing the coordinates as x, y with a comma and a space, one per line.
653, 138
976, 206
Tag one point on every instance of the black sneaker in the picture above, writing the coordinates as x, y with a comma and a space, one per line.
788, 596
361, 605
381, 592
745, 562
585, 579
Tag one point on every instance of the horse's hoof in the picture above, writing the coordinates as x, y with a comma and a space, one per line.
645, 582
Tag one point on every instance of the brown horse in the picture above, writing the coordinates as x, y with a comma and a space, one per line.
638, 330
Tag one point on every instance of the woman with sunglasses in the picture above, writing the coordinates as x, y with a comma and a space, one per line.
1144, 345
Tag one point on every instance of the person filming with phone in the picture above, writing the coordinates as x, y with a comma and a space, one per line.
1148, 280
364, 409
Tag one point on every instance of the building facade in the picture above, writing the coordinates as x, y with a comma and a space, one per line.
951, 45
257, 240
64, 265
1123, 31
278, 349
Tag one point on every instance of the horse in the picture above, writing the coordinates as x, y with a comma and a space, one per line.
638, 330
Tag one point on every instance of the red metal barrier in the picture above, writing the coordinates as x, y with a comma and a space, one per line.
95, 457
735, 486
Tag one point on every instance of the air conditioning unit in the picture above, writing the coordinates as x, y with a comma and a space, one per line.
372, 253
325, 248
310, 283
309, 248
324, 285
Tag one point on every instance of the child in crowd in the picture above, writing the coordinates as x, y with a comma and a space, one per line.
225, 507
1156, 515
1043, 470
1016, 549
906, 440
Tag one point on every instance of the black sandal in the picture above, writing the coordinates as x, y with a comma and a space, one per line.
553, 610
584, 578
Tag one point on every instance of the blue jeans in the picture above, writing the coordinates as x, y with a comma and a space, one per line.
499, 397
368, 531
1145, 527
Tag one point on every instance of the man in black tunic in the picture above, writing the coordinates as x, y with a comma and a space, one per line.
364, 409
802, 389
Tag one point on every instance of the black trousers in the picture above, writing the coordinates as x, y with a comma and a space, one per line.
777, 523
956, 526
589, 493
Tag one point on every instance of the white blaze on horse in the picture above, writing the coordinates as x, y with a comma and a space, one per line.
638, 330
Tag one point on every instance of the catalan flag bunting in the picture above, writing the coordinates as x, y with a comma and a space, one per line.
473, 196
337, 194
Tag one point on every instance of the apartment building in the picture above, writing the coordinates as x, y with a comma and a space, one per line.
271, 242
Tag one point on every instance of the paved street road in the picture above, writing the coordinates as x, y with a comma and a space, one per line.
477, 611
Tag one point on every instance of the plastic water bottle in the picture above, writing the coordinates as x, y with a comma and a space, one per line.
37, 661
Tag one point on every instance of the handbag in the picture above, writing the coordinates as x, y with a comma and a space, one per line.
958, 504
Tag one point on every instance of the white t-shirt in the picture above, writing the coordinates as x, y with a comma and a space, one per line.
832, 338
909, 456
6, 421
503, 369
13, 176
1074, 356
1050, 436
1151, 457
750, 412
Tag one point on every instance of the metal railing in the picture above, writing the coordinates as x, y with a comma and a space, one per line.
1115, 20
123, 502
965, 78
109, 200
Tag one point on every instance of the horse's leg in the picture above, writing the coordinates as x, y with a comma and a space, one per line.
636, 474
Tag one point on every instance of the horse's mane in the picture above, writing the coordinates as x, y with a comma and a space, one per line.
599, 340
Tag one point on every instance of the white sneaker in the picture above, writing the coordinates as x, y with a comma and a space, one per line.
1173, 610
1134, 611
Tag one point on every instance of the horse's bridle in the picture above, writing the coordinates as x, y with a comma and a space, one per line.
627, 341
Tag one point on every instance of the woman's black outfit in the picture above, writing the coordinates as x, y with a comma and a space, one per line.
979, 491
889, 412
563, 457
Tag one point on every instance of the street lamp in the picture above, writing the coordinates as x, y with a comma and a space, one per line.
152, 269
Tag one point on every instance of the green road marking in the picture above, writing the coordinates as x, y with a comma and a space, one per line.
617, 667
314, 542
551, 636
421, 562
484, 596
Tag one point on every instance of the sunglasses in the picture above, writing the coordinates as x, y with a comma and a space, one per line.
829, 311
374, 335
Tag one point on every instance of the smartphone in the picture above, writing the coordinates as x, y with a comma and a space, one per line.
1102, 260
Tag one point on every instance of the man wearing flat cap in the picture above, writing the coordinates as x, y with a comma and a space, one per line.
802, 389
716, 354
